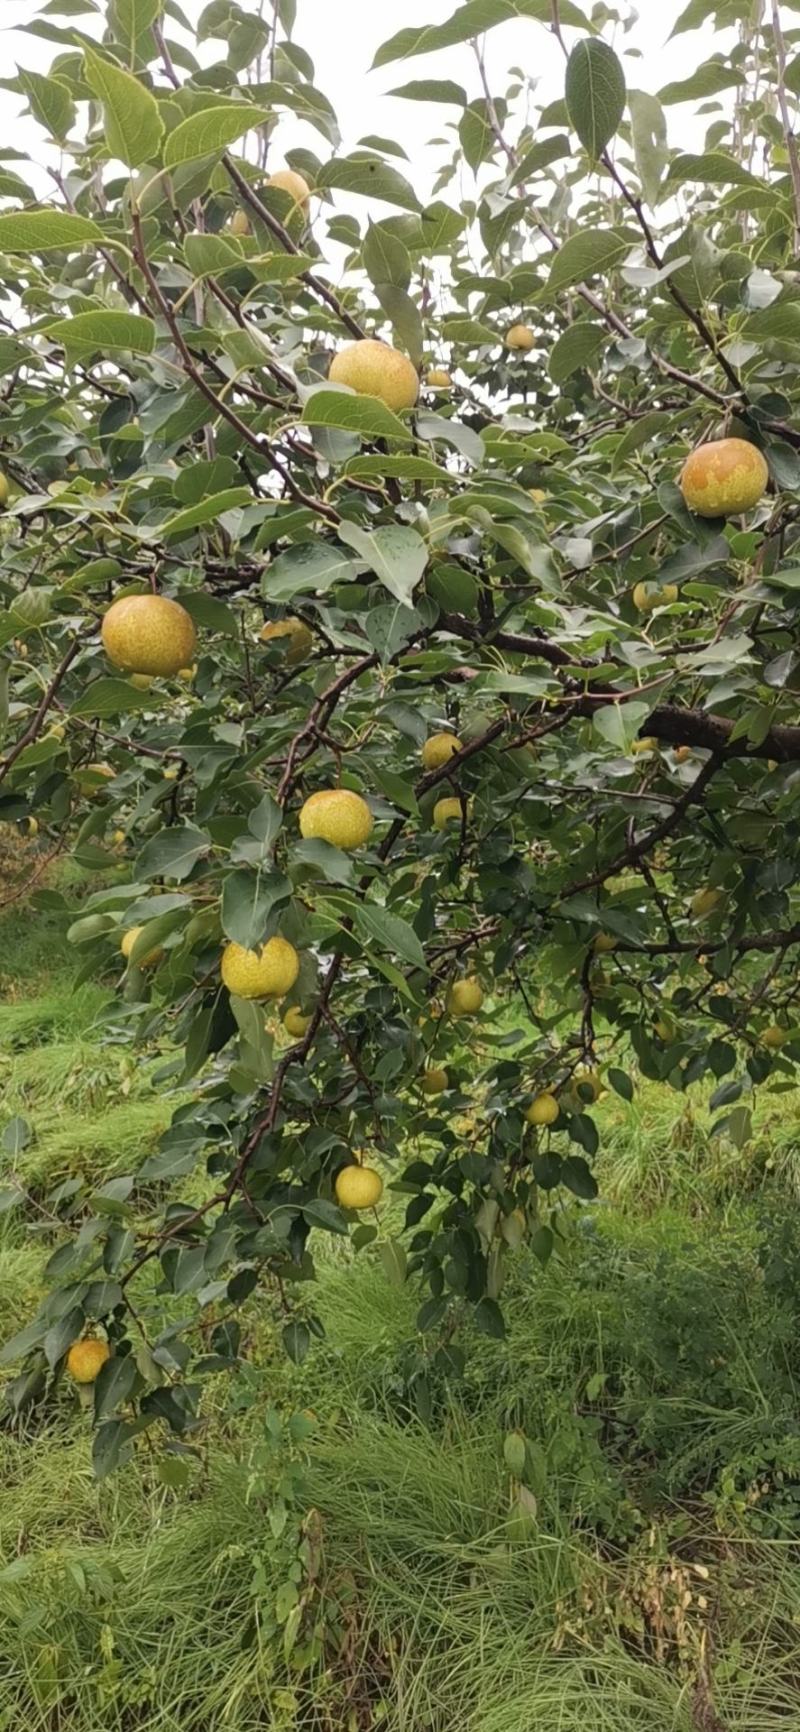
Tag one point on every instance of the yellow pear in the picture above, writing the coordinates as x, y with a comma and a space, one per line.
127, 942
723, 478
289, 181
434, 1081
338, 816
375, 369
86, 1359
148, 634
268, 972
439, 749
648, 596
292, 636
358, 1187
465, 997
705, 902
543, 1110
448, 812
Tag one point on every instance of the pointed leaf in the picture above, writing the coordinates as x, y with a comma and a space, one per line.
131, 116
595, 93
395, 552
211, 131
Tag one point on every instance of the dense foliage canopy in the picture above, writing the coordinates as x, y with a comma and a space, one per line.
567, 700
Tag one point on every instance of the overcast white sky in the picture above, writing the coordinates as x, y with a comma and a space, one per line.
342, 36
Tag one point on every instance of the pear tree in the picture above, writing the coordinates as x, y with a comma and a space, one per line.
399, 638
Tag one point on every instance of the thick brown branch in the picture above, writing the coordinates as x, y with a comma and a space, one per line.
780, 939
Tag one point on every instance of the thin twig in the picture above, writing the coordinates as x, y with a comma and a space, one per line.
788, 130
34, 726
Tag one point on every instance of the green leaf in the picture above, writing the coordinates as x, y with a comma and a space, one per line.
465, 440
248, 899
46, 231
708, 80
575, 349
311, 566
206, 511
395, 552
514, 1453
471, 20
779, 322
336, 867
296, 1339
154, 930
385, 258
588, 254
210, 255
395, 1262
455, 589
18, 1346
696, 13
255, 1046
196, 481
172, 853
579, 1178
488, 1319
264, 821
107, 1447
388, 930
210, 132
405, 317
16, 1136
649, 426
595, 93
129, 19
714, 168
649, 132
476, 130
319, 1212
115, 1384
335, 406
400, 468
619, 724
102, 332
279, 267
131, 116
432, 90
109, 696
50, 102
63, 1332
370, 177
620, 1083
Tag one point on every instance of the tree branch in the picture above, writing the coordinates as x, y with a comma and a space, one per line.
635, 851
314, 283
788, 131
35, 725
258, 441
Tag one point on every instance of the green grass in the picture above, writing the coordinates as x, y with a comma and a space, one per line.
654, 1369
